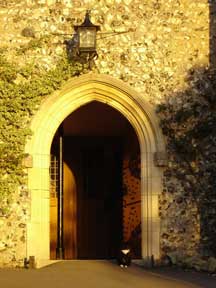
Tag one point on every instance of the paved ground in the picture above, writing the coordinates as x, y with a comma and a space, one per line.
92, 274
201, 279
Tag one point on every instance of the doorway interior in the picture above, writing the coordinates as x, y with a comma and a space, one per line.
101, 185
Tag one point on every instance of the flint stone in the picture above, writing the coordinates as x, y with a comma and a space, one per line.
212, 265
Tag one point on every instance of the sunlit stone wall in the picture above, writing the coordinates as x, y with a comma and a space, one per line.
155, 45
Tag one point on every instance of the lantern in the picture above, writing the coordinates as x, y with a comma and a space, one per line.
87, 33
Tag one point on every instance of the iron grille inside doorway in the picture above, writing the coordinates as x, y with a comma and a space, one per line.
54, 176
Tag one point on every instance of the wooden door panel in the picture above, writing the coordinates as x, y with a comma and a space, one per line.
53, 227
70, 214
70, 217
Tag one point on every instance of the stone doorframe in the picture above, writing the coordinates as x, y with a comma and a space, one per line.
54, 109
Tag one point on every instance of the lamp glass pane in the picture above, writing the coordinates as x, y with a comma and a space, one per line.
87, 38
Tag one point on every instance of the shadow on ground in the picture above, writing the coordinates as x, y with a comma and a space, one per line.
201, 279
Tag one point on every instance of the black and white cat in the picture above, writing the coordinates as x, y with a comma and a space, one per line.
124, 257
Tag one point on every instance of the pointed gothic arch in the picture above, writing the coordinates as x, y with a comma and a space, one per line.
54, 109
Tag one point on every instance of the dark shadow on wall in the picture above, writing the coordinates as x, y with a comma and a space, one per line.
212, 31
188, 120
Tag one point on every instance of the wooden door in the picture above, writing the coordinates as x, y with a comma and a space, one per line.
70, 214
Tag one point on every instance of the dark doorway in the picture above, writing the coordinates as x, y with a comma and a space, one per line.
97, 140
97, 168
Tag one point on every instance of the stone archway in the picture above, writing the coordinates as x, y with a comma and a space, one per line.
53, 111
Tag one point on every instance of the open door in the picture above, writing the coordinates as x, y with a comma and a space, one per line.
70, 212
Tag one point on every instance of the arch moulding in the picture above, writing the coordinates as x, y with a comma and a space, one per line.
54, 109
